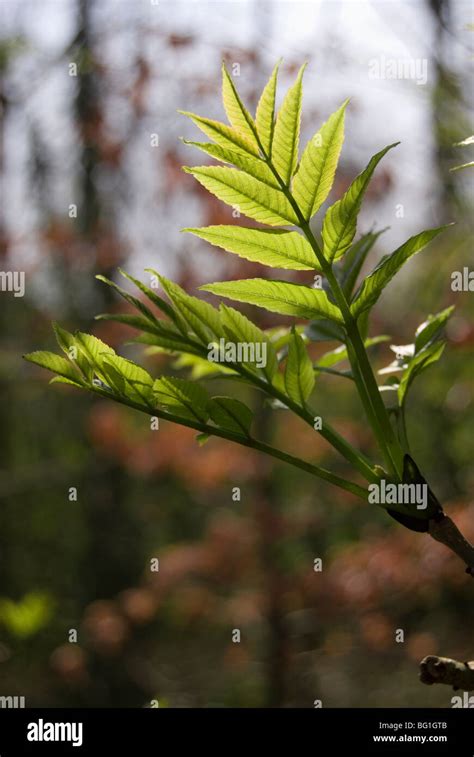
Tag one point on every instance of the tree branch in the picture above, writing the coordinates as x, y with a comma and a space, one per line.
445, 531
435, 669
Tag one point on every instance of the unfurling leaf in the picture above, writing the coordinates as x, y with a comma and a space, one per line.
419, 363
430, 329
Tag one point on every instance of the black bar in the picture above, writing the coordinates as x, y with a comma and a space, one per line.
225, 731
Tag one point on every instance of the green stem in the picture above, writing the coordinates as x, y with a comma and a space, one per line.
333, 372
249, 441
350, 453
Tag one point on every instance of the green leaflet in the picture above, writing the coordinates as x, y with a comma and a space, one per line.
54, 363
236, 111
265, 115
222, 134
231, 414
299, 374
62, 380
203, 319
251, 165
278, 297
340, 221
431, 328
287, 131
152, 296
243, 331
252, 197
376, 282
181, 397
138, 304
131, 379
93, 350
315, 175
68, 344
272, 247
419, 363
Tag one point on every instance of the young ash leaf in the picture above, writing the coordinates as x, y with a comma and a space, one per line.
315, 175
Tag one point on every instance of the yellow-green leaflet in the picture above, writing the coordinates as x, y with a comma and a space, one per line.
250, 196
287, 131
340, 221
315, 175
265, 115
376, 282
278, 297
272, 247
236, 111
224, 135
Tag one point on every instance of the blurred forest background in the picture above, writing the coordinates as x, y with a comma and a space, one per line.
86, 140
